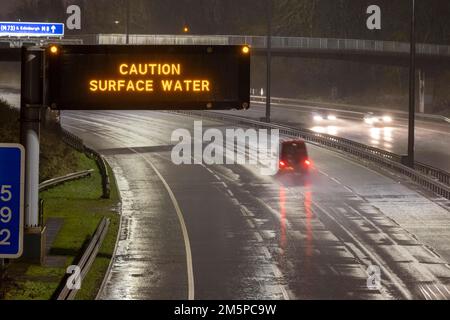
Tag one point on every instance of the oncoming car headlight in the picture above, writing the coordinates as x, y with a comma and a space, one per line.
332, 117
387, 118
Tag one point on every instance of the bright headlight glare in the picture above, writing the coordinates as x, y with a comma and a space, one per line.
332, 117
318, 118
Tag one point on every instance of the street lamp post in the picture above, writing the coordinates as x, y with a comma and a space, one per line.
412, 88
128, 22
269, 58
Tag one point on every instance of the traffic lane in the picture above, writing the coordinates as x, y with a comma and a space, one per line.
353, 115
316, 288
232, 259
264, 280
307, 256
401, 226
150, 261
228, 262
226, 266
420, 213
432, 140
349, 218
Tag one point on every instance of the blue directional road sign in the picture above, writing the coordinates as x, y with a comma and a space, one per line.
31, 29
12, 176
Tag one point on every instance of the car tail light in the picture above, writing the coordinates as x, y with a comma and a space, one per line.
282, 164
307, 162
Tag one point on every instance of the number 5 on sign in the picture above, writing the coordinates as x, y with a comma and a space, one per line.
12, 176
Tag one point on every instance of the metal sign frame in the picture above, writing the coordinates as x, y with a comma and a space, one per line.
19, 252
61, 58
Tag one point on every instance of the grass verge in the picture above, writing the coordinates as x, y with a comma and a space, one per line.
81, 208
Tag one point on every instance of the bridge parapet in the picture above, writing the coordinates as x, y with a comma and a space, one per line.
256, 42
17, 42
260, 42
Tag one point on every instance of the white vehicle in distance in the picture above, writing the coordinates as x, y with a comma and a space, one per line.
322, 116
373, 119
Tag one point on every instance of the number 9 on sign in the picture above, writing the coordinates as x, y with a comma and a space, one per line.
5, 215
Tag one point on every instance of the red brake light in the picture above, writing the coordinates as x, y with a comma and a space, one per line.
307, 162
282, 164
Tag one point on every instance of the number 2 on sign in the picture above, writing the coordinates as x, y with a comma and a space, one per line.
4, 237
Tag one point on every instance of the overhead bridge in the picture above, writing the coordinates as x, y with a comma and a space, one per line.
430, 57
372, 51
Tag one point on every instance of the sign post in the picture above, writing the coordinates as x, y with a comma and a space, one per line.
31, 29
31, 102
412, 89
12, 181
269, 59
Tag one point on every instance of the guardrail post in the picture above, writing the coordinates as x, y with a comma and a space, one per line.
41, 212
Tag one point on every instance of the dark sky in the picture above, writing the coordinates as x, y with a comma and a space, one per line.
6, 5
311, 18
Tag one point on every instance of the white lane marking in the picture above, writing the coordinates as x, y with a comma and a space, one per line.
372, 256
266, 253
250, 224
246, 212
187, 244
274, 212
335, 180
442, 294
349, 189
425, 293
284, 292
433, 294
235, 201
276, 271
446, 289
258, 236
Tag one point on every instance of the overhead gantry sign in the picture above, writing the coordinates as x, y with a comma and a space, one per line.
148, 77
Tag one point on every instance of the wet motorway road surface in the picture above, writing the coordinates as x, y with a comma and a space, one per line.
227, 232
432, 138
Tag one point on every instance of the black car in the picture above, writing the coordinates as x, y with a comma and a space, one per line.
294, 157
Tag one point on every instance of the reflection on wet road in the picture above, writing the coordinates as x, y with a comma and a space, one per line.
261, 237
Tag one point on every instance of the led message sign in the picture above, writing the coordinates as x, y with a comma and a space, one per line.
148, 77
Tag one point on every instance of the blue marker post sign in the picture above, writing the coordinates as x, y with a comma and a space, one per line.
31, 29
12, 177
